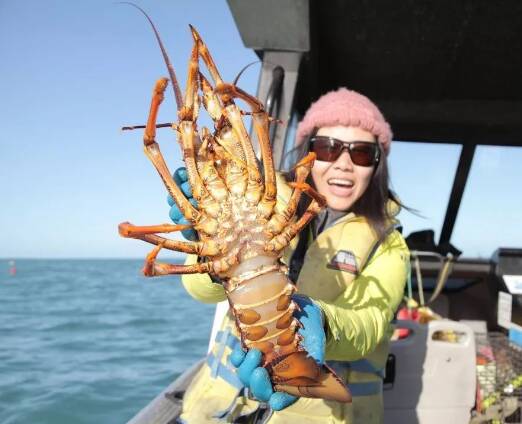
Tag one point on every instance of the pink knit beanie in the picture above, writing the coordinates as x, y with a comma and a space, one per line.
349, 108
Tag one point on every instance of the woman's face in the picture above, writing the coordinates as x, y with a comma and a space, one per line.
342, 182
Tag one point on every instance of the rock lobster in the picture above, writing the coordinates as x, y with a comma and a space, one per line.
241, 232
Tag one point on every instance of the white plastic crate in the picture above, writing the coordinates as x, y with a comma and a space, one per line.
435, 380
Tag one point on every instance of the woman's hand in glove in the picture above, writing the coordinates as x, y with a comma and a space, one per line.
181, 179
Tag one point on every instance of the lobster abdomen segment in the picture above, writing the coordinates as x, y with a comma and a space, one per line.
262, 305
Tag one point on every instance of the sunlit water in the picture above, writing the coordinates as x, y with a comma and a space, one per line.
91, 341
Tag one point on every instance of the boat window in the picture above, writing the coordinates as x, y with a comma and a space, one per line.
422, 175
490, 215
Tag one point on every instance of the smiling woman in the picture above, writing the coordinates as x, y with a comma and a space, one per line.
345, 164
352, 140
350, 262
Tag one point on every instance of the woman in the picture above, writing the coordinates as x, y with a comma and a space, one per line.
351, 266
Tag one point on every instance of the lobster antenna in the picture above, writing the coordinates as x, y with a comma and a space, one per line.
236, 79
172, 74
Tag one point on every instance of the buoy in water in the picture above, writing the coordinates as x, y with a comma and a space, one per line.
12, 268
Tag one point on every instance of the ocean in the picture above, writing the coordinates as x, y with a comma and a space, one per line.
92, 341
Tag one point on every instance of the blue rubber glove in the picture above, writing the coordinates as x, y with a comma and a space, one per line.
256, 378
181, 179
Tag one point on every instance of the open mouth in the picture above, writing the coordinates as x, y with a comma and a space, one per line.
340, 182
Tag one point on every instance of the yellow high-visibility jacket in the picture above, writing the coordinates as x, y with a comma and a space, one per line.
358, 305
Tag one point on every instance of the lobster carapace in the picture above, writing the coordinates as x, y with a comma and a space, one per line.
241, 234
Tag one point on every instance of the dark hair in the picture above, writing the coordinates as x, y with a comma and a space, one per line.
372, 204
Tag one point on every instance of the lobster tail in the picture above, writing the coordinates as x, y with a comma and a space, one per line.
300, 375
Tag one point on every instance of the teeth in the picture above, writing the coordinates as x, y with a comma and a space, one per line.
341, 182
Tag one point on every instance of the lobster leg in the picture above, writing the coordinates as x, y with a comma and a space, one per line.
153, 268
205, 164
153, 152
260, 121
306, 188
214, 108
254, 184
223, 132
233, 115
161, 268
280, 241
145, 233
205, 55
232, 168
186, 128
225, 144
210, 100
126, 229
280, 219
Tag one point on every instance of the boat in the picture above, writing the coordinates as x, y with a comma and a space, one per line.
443, 73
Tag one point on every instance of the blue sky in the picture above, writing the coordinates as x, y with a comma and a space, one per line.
72, 73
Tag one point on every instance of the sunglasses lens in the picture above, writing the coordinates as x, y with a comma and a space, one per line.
363, 154
326, 150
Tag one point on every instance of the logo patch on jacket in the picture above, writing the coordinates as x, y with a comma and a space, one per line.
344, 261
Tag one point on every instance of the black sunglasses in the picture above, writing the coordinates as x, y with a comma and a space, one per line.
328, 149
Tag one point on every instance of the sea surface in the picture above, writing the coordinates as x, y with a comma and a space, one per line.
92, 341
